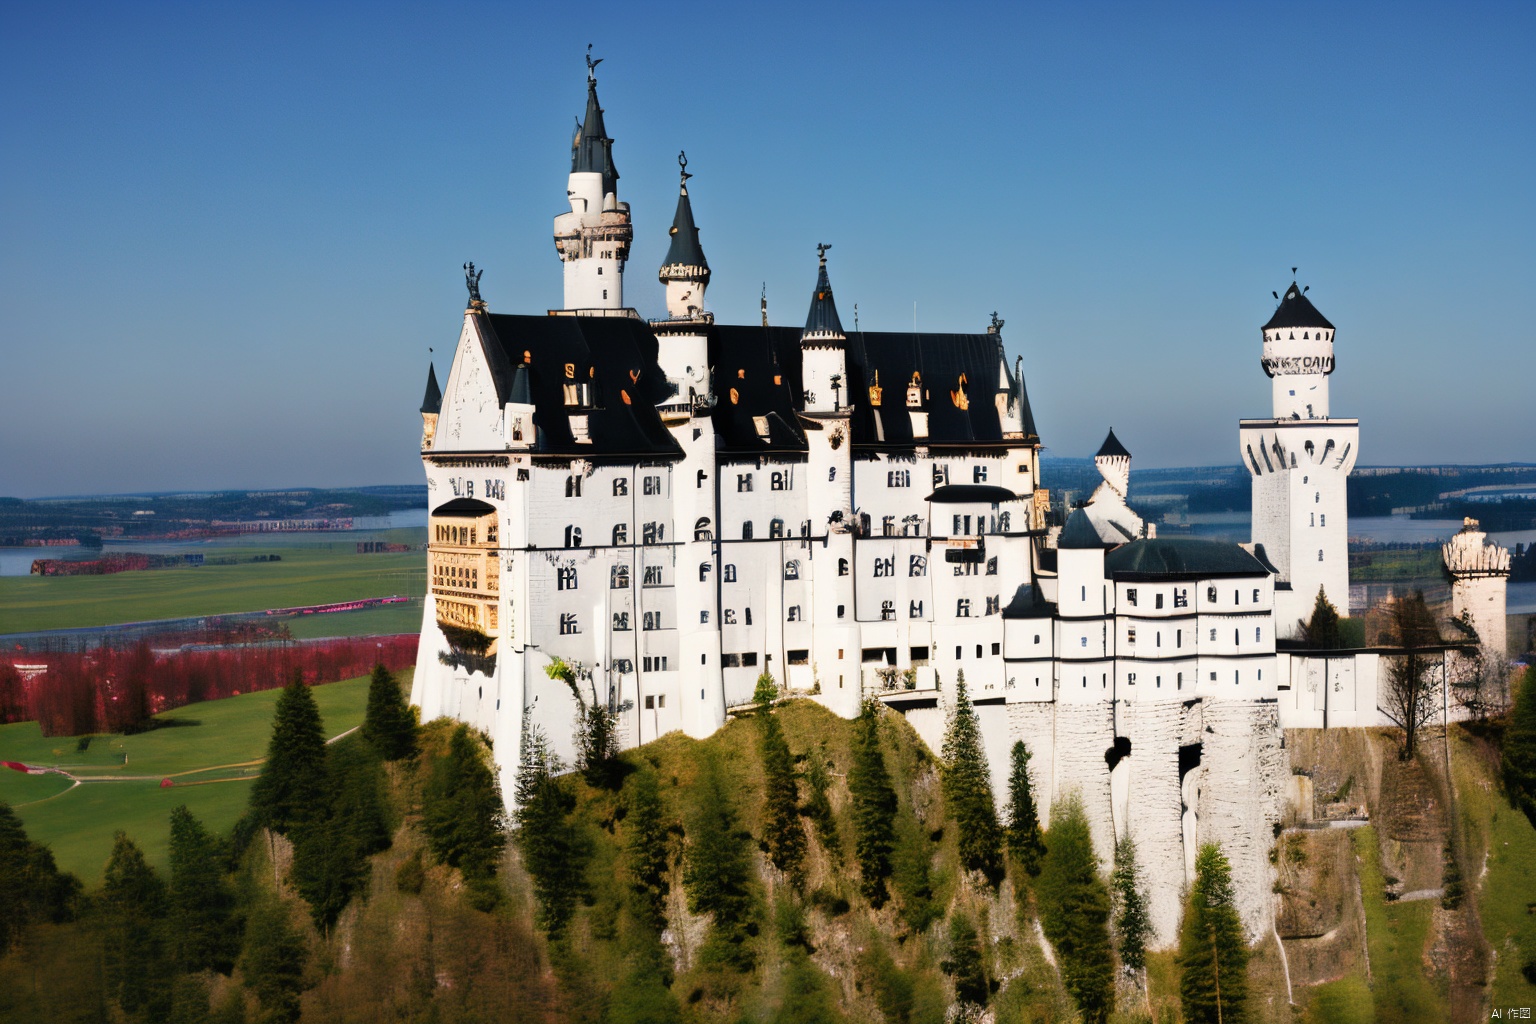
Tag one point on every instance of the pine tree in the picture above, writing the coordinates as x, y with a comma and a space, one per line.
1213, 952
647, 847
873, 802
1131, 924
462, 809
1518, 758
782, 830
331, 850
965, 962
31, 887
389, 723
550, 839
1321, 632
1074, 911
818, 808
716, 869
138, 965
204, 932
1023, 820
273, 961
968, 788
291, 786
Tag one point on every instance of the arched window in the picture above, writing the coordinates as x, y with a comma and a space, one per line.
573, 486
746, 530
618, 577
573, 536
701, 529
704, 568
621, 535
565, 577
792, 570
842, 567
776, 529
729, 576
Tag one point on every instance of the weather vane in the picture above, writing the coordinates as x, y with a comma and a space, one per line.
997, 323
821, 251
682, 163
472, 282
592, 64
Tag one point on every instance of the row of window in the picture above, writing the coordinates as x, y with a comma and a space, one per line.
1181, 596
1178, 637
462, 535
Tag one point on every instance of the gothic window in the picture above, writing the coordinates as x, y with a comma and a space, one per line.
917, 565
653, 485
915, 610
1004, 522
888, 526
729, 576
621, 622
704, 568
776, 482
565, 577
653, 576
743, 482
621, 535
746, 530
573, 486
963, 608
993, 605
652, 620
652, 533
573, 536
979, 474
568, 624
792, 570
776, 529
885, 566
842, 567
899, 478
992, 566
887, 610
1130, 596
620, 487
701, 528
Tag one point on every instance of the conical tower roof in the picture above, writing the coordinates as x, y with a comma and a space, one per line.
822, 321
433, 402
685, 251
592, 149
1296, 310
1112, 447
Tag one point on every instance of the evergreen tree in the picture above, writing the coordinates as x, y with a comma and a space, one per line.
817, 807
31, 887
138, 966
389, 723
189, 1001
965, 963
1322, 632
291, 786
548, 836
1023, 820
1213, 951
1131, 924
462, 809
766, 691
873, 802
968, 788
647, 847
782, 830
717, 869
204, 931
1074, 911
1518, 758
273, 961
331, 850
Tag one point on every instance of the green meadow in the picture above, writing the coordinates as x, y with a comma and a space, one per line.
318, 572
209, 751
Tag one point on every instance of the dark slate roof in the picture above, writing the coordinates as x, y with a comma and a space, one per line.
433, 402
823, 319
592, 149
1112, 447
757, 373
1026, 413
685, 250
464, 508
1182, 556
1079, 533
955, 494
1296, 310
615, 355
1029, 603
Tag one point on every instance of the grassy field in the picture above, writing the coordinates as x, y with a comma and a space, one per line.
208, 757
1396, 932
314, 573
380, 621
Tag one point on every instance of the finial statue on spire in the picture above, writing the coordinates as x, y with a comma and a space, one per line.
472, 282
592, 64
821, 251
996, 326
682, 165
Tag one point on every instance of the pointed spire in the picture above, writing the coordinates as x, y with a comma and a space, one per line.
1112, 448
432, 404
822, 321
592, 149
1296, 310
685, 257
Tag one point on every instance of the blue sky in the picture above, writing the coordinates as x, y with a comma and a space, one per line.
229, 234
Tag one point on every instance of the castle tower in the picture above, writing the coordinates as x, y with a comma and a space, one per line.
1300, 459
1114, 520
828, 406
431, 405
593, 238
683, 355
1479, 582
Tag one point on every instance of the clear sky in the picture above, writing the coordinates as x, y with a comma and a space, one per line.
229, 234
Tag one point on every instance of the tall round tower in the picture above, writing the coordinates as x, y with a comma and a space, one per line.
1479, 574
593, 238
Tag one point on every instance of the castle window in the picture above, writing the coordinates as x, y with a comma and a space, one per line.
992, 566
704, 617
653, 576
605, 290
1004, 522
653, 485
842, 567
746, 530
1130, 596
1210, 594
915, 610
728, 616
888, 525
1130, 679
1317, 497
1178, 638
887, 610
1322, 519
917, 565
1237, 637
1179, 681
652, 620
701, 528
568, 624
573, 486
565, 577
1213, 675
1181, 598
959, 652
1037, 638
653, 533
748, 659
621, 535
1237, 596
746, 616
776, 482
940, 475
1157, 601
1157, 640
1319, 554
1130, 635
620, 487
650, 703
794, 613
1258, 634
798, 657
573, 536
522, 474
956, 529
743, 482
792, 570
1213, 634
831, 474
899, 478
730, 660
841, 611
979, 474
1159, 682
621, 622
993, 605
997, 649
776, 529
1255, 596
963, 608
699, 481
978, 650
704, 568
885, 566
729, 576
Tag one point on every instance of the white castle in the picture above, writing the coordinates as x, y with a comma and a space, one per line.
678, 506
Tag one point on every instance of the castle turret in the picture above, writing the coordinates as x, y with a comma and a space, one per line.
685, 271
1479, 573
1114, 464
593, 238
431, 405
1300, 460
